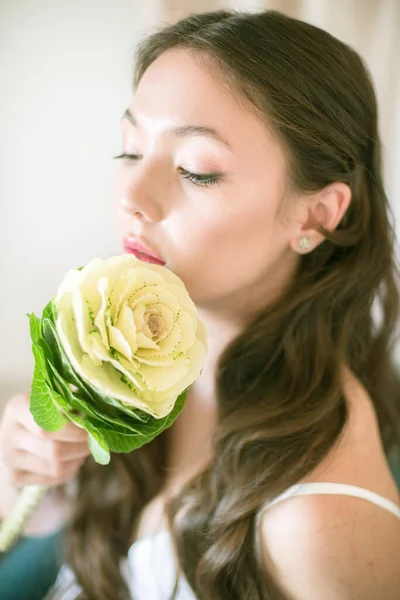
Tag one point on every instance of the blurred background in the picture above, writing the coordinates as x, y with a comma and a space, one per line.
65, 80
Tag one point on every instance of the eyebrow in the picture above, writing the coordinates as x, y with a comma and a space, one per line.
184, 131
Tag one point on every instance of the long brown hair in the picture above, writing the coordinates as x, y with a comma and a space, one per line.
279, 389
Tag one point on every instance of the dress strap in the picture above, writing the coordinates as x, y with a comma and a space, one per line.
323, 487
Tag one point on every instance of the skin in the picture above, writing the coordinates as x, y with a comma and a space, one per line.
235, 245
229, 242
235, 249
202, 230
31, 455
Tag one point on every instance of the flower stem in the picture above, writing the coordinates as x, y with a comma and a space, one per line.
12, 527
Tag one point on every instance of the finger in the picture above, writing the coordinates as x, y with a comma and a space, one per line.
69, 433
71, 451
24, 417
26, 464
32, 443
23, 478
17, 410
51, 450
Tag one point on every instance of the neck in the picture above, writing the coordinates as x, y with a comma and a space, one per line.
220, 332
189, 438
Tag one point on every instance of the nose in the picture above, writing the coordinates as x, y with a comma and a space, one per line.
139, 195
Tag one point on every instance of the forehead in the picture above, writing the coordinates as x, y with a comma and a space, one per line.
178, 88
187, 80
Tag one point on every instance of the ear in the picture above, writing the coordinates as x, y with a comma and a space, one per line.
327, 208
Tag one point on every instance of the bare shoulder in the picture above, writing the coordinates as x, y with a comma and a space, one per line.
336, 548
340, 547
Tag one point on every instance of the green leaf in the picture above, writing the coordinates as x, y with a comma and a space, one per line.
99, 448
40, 359
37, 344
104, 405
42, 399
110, 424
97, 444
35, 332
43, 403
99, 396
48, 311
95, 414
59, 357
86, 390
94, 397
123, 443
127, 443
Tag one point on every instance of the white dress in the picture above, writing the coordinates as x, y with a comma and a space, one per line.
149, 567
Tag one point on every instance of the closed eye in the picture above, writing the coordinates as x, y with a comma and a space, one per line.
201, 179
128, 156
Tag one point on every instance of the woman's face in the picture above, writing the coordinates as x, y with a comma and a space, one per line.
203, 187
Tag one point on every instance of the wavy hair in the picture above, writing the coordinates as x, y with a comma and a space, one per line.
279, 388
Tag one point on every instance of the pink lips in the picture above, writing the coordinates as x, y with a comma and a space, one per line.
141, 252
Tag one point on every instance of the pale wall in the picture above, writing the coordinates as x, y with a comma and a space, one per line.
65, 80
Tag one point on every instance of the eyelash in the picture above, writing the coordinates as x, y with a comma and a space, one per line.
201, 179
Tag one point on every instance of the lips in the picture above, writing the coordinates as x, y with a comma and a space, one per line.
141, 251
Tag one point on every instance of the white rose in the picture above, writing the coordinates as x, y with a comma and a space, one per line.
131, 329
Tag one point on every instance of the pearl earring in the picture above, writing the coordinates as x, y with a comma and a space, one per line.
305, 243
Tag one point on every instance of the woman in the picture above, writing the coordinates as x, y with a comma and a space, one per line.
251, 167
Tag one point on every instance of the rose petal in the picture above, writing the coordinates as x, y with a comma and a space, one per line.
143, 368
165, 348
118, 342
100, 320
143, 341
188, 328
101, 353
138, 316
146, 299
162, 379
196, 357
126, 324
84, 325
167, 319
121, 290
70, 283
108, 379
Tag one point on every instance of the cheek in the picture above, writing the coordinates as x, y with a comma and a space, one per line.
122, 217
225, 252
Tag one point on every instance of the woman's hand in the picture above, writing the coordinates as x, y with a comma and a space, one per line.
30, 455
